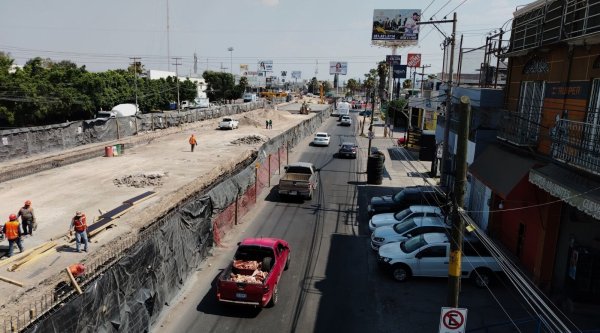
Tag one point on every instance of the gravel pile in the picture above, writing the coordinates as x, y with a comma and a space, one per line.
148, 179
249, 140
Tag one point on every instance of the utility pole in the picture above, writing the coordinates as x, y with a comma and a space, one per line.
135, 62
177, 64
455, 260
390, 92
422, 74
230, 49
448, 114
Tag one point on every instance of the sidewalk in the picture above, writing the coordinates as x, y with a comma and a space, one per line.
402, 167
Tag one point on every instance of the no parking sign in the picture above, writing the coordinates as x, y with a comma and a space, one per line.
453, 320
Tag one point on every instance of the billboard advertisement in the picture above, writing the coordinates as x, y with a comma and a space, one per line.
393, 60
399, 72
296, 74
243, 68
265, 66
413, 60
338, 67
396, 24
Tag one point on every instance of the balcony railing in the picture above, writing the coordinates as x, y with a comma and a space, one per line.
520, 129
577, 144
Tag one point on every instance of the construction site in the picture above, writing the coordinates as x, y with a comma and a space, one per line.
155, 209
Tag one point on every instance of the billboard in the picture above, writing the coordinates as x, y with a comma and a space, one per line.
338, 67
243, 68
265, 66
393, 60
296, 74
413, 60
399, 72
396, 25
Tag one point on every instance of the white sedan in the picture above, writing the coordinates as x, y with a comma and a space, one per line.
321, 139
409, 228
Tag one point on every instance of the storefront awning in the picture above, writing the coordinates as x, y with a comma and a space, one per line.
580, 192
500, 170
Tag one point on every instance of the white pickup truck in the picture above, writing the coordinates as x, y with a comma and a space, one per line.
427, 255
228, 123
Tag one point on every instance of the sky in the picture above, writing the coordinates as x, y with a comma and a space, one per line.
296, 35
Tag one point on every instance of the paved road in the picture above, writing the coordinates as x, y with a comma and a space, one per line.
333, 283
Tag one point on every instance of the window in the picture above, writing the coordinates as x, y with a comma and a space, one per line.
434, 252
592, 128
530, 109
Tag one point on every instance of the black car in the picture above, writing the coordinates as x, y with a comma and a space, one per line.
365, 113
347, 149
414, 195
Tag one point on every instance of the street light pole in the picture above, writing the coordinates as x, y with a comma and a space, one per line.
230, 49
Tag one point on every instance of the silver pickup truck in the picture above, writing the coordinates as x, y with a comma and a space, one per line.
428, 255
300, 179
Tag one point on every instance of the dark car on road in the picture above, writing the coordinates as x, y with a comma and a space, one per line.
408, 196
348, 149
365, 113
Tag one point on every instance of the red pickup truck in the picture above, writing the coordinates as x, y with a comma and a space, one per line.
253, 276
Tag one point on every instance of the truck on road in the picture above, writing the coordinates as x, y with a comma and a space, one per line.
300, 179
252, 278
229, 123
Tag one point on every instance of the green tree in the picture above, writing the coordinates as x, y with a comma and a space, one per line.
352, 85
219, 85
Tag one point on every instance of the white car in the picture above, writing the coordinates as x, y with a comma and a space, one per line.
346, 121
411, 227
321, 139
428, 255
384, 219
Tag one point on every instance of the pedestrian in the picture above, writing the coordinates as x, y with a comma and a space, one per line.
270, 124
79, 225
12, 231
27, 218
267, 124
193, 142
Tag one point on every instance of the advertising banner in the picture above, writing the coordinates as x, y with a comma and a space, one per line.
396, 25
399, 72
413, 60
296, 74
250, 73
338, 67
265, 66
243, 68
393, 60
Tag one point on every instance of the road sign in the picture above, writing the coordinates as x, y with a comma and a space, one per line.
453, 320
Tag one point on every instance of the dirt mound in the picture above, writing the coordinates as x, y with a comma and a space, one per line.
249, 140
245, 121
148, 179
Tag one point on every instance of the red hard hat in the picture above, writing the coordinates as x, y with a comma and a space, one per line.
28, 202
12, 217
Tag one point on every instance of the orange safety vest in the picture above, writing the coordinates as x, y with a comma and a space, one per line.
79, 223
11, 230
193, 140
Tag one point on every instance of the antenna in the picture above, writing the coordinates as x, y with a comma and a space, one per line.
168, 41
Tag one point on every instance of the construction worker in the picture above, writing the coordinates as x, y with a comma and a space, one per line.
12, 231
27, 218
193, 142
79, 225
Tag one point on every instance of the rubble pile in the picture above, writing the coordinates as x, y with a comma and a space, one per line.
249, 140
147, 179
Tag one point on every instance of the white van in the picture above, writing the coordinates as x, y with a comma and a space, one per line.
249, 97
343, 109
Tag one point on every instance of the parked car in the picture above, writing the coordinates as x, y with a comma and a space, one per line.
253, 276
415, 195
229, 123
346, 121
410, 227
386, 219
428, 255
365, 113
348, 149
321, 139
